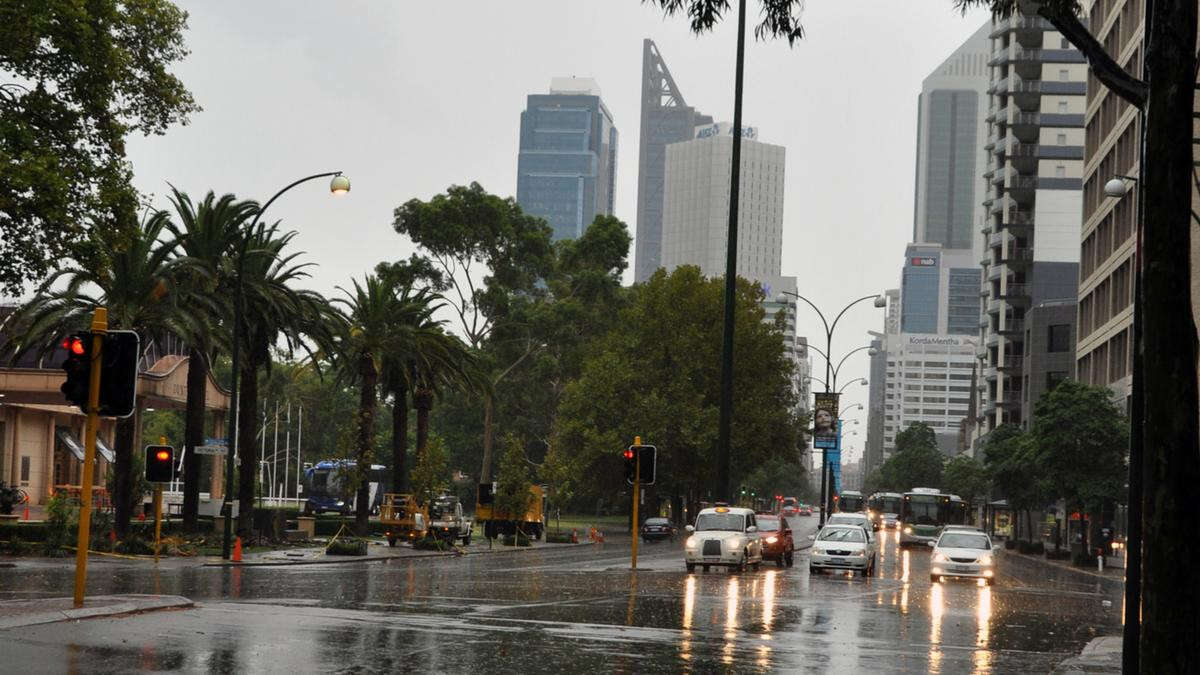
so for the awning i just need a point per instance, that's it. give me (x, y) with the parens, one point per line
(76, 447)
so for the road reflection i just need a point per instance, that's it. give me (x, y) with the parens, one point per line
(937, 609)
(689, 608)
(982, 658)
(731, 622)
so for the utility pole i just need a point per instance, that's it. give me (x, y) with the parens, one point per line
(99, 328)
(637, 494)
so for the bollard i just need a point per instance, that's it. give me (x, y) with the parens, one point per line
(237, 550)
(1100, 563)
(26, 511)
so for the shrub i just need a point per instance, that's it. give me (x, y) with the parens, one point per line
(431, 544)
(519, 539)
(62, 522)
(347, 547)
(1061, 554)
(558, 538)
(134, 545)
(1083, 559)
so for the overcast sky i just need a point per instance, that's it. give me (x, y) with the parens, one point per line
(408, 98)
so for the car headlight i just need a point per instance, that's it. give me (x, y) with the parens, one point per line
(341, 503)
(908, 530)
(691, 542)
(985, 559)
(858, 554)
(772, 540)
(940, 557)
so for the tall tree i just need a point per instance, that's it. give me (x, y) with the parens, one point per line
(206, 233)
(1010, 458)
(82, 77)
(275, 314)
(917, 462)
(139, 289)
(488, 252)
(966, 477)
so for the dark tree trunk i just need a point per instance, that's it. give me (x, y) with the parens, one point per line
(247, 458)
(369, 378)
(1170, 635)
(193, 434)
(123, 498)
(399, 439)
(489, 405)
(423, 403)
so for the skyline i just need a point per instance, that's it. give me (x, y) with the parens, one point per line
(401, 110)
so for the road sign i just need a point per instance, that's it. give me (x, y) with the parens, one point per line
(211, 450)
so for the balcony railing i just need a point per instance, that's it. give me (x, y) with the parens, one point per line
(1013, 326)
(1014, 290)
(1020, 22)
(1017, 254)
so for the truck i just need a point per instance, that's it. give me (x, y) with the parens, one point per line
(403, 517)
(447, 522)
(532, 522)
(328, 486)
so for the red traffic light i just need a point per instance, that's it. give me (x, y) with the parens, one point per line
(73, 345)
(163, 456)
(628, 453)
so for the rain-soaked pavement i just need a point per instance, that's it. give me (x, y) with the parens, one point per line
(568, 609)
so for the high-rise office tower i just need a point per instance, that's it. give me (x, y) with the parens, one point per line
(696, 203)
(939, 291)
(566, 169)
(666, 119)
(951, 128)
(1032, 257)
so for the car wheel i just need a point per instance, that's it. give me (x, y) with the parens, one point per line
(392, 542)
(812, 571)
(691, 567)
(933, 578)
(779, 560)
(789, 559)
(991, 581)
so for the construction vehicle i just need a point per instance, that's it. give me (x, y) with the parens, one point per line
(532, 522)
(447, 521)
(403, 518)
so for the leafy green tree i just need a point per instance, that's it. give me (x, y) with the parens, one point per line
(1170, 429)
(1080, 441)
(780, 475)
(206, 233)
(656, 374)
(140, 290)
(82, 77)
(512, 479)
(430, 474)
(966, 477)
(917, 462)
(559, 473)
(488, 252)
(1010, 460)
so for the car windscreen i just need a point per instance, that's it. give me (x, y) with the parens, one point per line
(964, 540)
(842, 534)
(767, 524)
(734, 522)
(657, 521)
(845, 520)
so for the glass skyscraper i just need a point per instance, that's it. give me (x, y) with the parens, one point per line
(566, 169)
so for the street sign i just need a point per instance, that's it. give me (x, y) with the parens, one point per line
(211, 450)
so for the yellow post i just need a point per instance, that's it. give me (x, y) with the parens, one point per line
(99, 327)
(637, 493)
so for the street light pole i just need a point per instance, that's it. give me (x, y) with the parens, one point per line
(339, 185)
(880, 301)
(726, 419)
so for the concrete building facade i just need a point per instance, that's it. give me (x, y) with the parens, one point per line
(666, 119)
(939, 291)
(1050, 338)
(928, 380)
(1035, 140)
(696, 203)
(567, 163)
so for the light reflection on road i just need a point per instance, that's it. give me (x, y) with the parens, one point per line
(982, 658)
(731, 621)
(689, 607)
(937, 609)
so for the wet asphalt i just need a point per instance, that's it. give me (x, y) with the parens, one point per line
(568, 609)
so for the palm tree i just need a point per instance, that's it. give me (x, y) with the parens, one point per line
(273, 312)
(139, 288)
(206, 233)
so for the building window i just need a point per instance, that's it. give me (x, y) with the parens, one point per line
(1060, 171)
(1053, 377)
(1065, 44)
(1062, 107)
(1064, 75)
(25, 469)
(1061, 139)
(1058, 338)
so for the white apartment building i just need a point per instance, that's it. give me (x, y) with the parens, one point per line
(696, 203)
(928, 380)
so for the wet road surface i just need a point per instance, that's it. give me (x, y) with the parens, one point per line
(569, 609)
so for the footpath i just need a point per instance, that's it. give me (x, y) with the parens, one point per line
(20, 613)
(1101, 655)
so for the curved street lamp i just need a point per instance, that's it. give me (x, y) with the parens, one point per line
(338, 185)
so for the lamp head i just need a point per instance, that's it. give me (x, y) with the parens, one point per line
(1116, 187)
(340, 185)
(880, 301)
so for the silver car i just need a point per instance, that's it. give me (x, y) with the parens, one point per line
(842, 547)
(962, 553)
(859, 519)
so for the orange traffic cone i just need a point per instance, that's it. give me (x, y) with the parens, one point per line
(26, 510)
(237, 549)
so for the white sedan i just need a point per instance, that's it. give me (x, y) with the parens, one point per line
(842, 547)
(961, 553)
(723, 536)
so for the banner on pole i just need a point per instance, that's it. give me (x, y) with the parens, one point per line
(825, 415)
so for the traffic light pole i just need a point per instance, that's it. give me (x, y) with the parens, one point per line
(637, 497)
(99, 327)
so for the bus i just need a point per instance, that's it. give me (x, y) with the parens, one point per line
(884, 508)
(923, 513)
(851, 501)
(328, 486)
